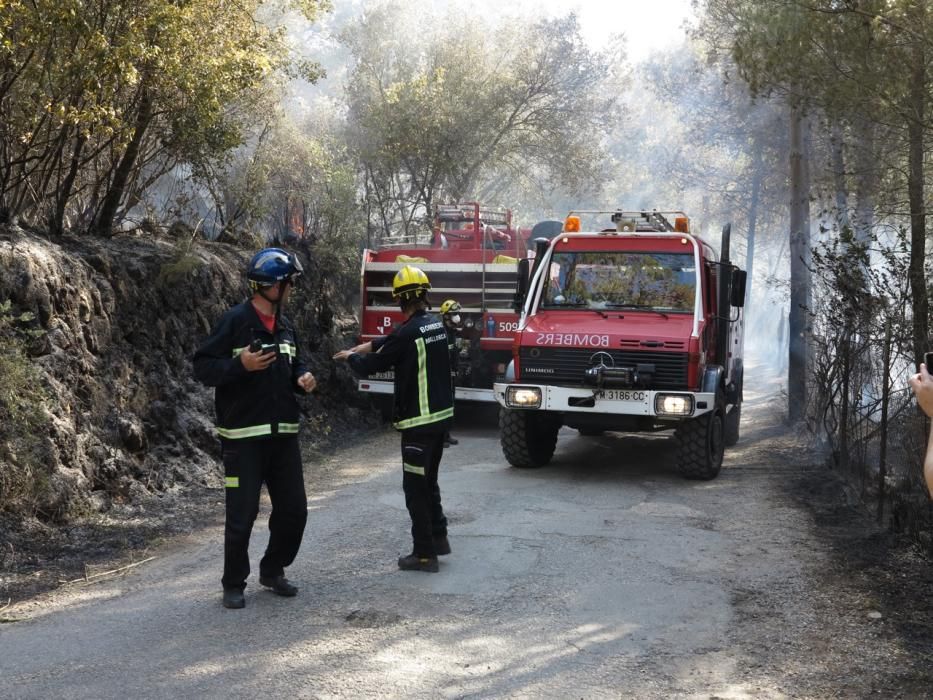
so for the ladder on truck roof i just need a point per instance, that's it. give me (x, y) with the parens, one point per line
(472, 211)
(642, 220)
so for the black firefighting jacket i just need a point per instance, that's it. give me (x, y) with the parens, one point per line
(417, 350)
(251, 405)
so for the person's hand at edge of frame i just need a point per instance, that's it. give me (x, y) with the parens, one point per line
(922, 385)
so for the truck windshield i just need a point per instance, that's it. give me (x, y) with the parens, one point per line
(619, 280)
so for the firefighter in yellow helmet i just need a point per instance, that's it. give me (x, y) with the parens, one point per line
(423, 409)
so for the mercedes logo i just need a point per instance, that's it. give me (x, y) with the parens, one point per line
(602, 359)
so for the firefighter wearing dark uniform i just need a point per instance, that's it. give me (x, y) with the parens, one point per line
(423, 409)
(251, 358)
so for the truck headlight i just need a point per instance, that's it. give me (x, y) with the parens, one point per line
(673, 404)
(523, 397)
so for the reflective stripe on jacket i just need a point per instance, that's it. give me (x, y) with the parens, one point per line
(251, 405)
(417, 350)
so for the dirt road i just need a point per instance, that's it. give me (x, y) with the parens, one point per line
(601, 575)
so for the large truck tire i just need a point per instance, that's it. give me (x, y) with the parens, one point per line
(731, 426)
(528, 438)
(702, 445)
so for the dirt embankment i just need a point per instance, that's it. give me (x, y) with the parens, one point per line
(107, 328)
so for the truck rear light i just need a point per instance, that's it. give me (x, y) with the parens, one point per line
(673, 404)
(523, 397)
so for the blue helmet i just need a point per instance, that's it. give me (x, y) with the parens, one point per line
(270, 266)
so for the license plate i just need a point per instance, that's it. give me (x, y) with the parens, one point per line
(623, 402)
(624, 395)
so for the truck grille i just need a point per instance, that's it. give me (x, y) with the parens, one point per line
(567, 365)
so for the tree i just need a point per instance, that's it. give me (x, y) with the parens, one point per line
(468, 110)
(100, 99)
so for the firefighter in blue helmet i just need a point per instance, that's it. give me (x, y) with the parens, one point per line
(423, 409)
(251, 358)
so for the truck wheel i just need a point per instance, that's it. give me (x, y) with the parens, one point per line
(702, 445)
(528, 439)
(730, 430)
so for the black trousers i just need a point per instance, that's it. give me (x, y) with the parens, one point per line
(421, 458)
(247, 464)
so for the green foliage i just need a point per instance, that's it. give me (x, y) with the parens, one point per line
(171, 274)
(98, 99)
(23, 421)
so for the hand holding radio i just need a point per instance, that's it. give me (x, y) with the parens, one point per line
(256, 358)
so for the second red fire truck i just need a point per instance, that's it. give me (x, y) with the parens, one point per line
(471, 256)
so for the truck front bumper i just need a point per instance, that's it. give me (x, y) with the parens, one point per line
(463, 393)
(622, 402)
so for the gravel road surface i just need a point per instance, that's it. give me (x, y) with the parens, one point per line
(603, 574)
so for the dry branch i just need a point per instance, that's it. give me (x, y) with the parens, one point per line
(96, 578)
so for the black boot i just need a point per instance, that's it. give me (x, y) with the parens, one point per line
(233, 598)
(279, 585)
(415, 563)
(441, 545)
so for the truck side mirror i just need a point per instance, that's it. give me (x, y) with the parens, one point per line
(738, 288)
(521, 288)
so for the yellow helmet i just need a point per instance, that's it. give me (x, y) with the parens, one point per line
(410, 283)
(450, 306)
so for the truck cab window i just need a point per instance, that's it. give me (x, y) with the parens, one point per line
(621, 279)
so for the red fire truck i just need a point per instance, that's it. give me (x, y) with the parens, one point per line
(471, 256)
(633, 327)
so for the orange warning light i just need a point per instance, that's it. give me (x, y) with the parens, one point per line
(572, 224)
(682, 224)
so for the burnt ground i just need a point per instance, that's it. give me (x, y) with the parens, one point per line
(872, 574)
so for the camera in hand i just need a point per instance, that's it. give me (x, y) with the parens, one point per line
(928, 361)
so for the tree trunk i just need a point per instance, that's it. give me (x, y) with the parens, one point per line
(114, 196)
(837, 141)
(799, 266)
(757, 176)
(866, 180)
(64, 194)
(919, 302)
